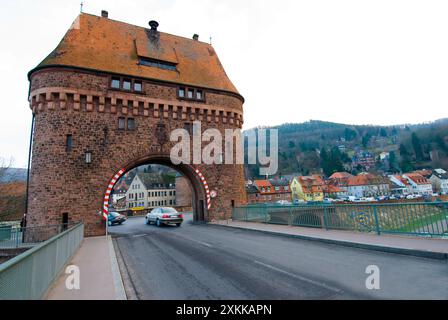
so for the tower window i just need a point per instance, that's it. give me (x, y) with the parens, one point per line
(131, 124)
(121, 123)
(190, 94)
(69, 143)
(115, 83)
(181, 93)
(137, 86)
(127, 84)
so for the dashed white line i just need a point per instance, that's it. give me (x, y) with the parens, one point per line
(139, 235)
(197, 241)
(316, 283)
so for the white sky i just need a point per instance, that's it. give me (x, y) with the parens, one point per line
(359, 62)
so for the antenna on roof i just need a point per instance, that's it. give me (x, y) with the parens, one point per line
(210, 40)
(82, 5)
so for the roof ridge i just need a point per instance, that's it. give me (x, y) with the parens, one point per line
(137, 26)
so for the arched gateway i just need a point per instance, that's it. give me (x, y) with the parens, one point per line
(106, 100)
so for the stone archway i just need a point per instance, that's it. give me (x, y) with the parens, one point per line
(197, 181)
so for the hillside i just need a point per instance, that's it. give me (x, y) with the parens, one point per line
(326, 147)
(12, 175)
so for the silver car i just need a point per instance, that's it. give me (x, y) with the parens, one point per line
(164, 216)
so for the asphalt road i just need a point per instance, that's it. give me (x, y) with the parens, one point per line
(212, 262)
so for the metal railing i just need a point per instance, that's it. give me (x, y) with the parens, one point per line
(422, 219)
(13, 236)
(29, 275)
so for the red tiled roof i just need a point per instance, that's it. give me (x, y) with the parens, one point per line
(426, 173)
(366, 179)
(341, 175)
(417, 178)
(402, 180)
(311, 183)
(262, 183)
(111, 46)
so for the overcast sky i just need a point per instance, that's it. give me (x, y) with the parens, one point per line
(357, 62)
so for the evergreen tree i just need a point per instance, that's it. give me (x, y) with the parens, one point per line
(335, 160)
(404, 151)
(405, 163)
(365, 140)
(324, 161)
(393, 163)
(416, 144)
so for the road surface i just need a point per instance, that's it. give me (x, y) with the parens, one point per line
(212, 262)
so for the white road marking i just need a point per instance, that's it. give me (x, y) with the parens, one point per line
(139, 235)
(316, 283)
(197, 241)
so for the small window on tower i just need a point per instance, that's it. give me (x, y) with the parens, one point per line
(69, 143)
(127, 84)
(182, 93)
(199, 95)
(131, 124)
(190, 93)
(115, 83)
(137, 86)
(121, 123)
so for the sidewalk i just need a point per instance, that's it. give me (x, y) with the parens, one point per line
(99, 274)
(421, 247)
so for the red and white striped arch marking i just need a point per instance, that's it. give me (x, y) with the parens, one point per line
(110, 187)
(120, 173)
(207, 189)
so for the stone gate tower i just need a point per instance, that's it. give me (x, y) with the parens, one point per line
(105, 101)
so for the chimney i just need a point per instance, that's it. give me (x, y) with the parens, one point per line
(104, 14)
(196, 37)
(154, 25)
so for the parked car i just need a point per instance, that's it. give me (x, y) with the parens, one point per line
(283, 202)
(164, 216)
(349, 199)
(298, 201)
(115, 218)
(414, 196)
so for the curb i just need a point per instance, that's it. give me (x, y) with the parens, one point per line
(118, 281)
(409, 252)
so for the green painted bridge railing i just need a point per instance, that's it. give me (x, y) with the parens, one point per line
(422, 219)
(29, 275)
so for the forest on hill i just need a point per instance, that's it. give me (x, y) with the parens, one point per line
(326, 147)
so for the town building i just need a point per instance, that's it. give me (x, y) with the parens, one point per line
(368, 185)
(439, 181)
(145, 192)
(400, 186)
(420, 185)
(384, 155)
(363, 159)
(340, 180)
(253, 195)
(266, 192)
(334, 192)
(307, 188)
(282, 190)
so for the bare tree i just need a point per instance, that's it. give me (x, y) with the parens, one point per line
(5, 165)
